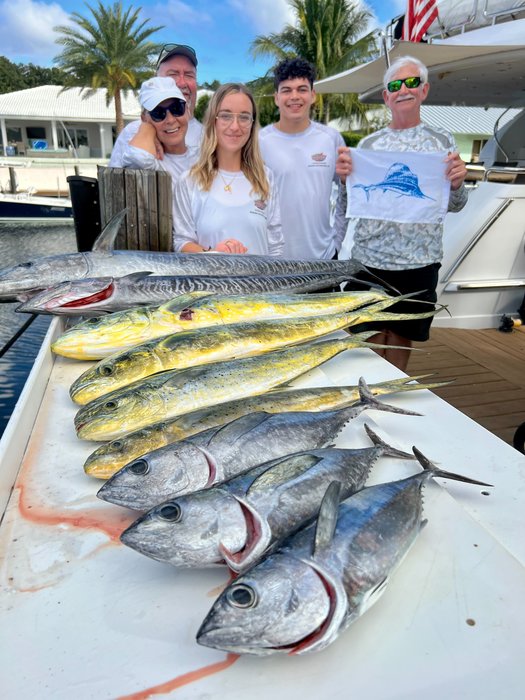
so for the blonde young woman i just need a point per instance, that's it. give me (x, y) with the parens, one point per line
(227, 201)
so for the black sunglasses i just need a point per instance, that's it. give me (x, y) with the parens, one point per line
(395, 85)
(176, 109)
(182, 49)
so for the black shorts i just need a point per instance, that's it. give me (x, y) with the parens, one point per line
(419, 279)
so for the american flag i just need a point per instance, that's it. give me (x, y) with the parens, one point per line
(418, 17)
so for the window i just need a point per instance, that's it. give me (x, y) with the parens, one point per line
(14, 134)
(35, 132)
(477, 145)
(79, 137)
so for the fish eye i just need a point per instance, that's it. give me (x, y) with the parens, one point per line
(140, 467)
(171, 512)
(110, 405)
(25, 265)
(241, 596)
(116, 445)
(93, 319)
(106, 370)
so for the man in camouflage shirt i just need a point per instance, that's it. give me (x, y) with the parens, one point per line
(406, 255)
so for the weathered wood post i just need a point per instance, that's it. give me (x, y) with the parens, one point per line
(147, 196)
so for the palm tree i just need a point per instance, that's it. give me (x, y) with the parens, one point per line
(326, 33)
(108, 50)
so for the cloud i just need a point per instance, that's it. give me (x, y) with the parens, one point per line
(266, 16)
(26, 30)
(173, 13)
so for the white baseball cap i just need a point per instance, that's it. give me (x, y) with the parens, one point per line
(156, 90)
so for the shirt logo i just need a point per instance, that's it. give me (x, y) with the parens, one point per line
(260, 204)
(319, 157)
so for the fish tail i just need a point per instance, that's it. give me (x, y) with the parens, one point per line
(410, 384)
(389, 316)
(388, 450)
(370, 401)
(430, 467)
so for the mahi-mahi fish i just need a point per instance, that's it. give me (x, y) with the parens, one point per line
(112, 456)
(99, 337)
(172, 393)
(205, 345)
(94, 296)
(320, 580)
(218, 454)
(236, 522)
(20, 281)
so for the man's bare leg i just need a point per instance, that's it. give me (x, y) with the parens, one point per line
(396, 356)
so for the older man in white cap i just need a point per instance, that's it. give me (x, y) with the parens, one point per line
(178, 62)
(164, 125)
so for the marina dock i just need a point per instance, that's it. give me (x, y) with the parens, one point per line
(488, 372)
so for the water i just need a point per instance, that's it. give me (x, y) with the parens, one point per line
(20, 242)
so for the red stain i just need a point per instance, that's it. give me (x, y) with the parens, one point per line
(185, 679)
(111, 522)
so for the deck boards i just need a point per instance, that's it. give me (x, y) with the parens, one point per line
(488, 369)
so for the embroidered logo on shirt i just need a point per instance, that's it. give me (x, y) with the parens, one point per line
(319, 157)
(260, 204)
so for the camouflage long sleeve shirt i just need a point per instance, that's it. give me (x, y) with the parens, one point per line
(391, 245)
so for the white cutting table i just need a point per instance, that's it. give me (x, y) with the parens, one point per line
(82, 616)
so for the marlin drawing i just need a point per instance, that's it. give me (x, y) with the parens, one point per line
(399, 179)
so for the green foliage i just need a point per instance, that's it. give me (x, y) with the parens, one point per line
(201, 107)
(22, 76)
(326, 34)
(351, 138)
(210, 86)
(108, 50)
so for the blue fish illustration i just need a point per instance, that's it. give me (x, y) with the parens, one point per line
(399, 179)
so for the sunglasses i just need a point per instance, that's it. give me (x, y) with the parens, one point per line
(176, 109)
(183, 49)
(395, 85)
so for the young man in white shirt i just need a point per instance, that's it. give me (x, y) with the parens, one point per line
(302, 155)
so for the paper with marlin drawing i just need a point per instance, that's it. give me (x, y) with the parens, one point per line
(407, 187)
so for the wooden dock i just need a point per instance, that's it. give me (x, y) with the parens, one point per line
(488, 369)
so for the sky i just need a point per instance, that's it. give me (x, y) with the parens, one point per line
(220, 31)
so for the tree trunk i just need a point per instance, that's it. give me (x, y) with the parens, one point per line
(118, 111)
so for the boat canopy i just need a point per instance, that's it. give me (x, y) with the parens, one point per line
(459, 73)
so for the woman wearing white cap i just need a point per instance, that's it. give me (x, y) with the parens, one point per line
(164, 125)
(227, 202)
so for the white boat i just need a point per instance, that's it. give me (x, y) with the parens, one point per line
(24, 206)
(478, 63)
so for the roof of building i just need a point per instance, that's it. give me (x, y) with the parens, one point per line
(48, 101)
(466, 120)
(80, 104)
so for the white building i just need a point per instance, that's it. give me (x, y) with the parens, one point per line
(50, 121)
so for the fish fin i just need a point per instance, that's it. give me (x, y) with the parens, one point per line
(286, 469)
(388, 450)
(327, 518)
(239, 426)
(429, 466)
(423, 523)
(369, 401)
(183, 301)
(105, 241)
(136, 276)
(376, 592)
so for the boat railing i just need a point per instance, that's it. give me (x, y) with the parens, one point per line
(473, 16)
(512, 12)
(517, 173)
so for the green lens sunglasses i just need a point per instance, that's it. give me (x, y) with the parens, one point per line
(395, 85)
